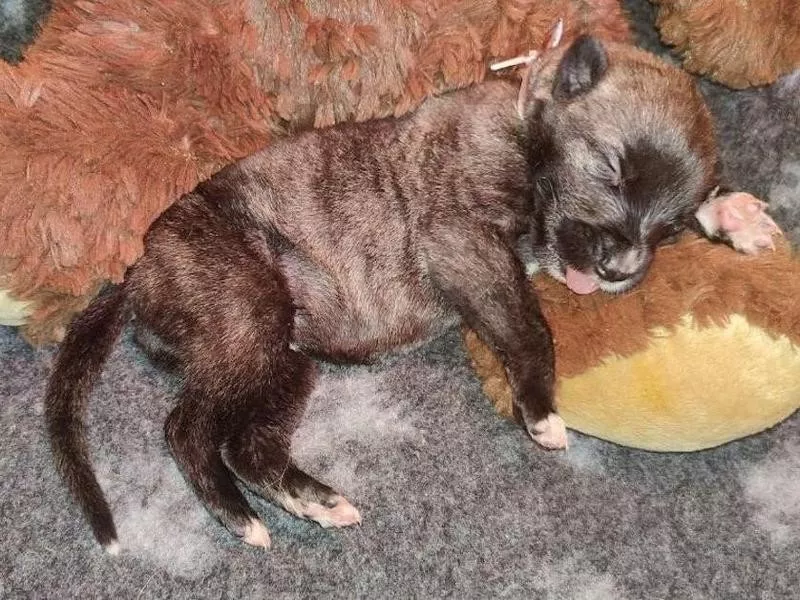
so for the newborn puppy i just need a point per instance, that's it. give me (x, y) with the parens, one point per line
(349, 242)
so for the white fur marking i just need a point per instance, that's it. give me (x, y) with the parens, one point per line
(342, 514)
(556, 274)
(532, 268)
(112, 548)
(550, 432)
(614, 287)
(256, 534)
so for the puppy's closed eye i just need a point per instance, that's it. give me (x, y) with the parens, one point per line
(610, 172)
(615, 163)
(665, 234)
(621, 173)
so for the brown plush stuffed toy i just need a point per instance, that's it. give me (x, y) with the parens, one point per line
(704, 351)
(738, 43)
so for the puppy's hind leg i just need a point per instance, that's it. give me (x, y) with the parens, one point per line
(258, 450)
(193, 436)
(228, 363)
(293, 489)
(245, 393)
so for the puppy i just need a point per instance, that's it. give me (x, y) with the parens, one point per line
(349, 242)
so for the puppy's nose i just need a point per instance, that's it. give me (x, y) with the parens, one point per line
(622, 266)
(610, 274)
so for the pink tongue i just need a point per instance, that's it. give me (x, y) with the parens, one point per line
(581, 283)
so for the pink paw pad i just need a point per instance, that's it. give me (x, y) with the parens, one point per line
(743, 219)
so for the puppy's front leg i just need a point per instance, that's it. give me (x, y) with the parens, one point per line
(740, 220)
(485, 282)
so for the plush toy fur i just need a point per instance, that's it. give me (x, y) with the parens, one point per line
(121, 106)
(740, 43)
(705, 351)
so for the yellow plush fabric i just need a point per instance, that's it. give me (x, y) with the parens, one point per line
(690, 389)
(13, 312)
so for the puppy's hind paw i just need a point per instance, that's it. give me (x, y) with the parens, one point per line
(341, 514)
(550, 432)
(742, 219)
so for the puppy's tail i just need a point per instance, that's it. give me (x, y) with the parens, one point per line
(88, 343)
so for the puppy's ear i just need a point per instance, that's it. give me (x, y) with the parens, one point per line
(583, 65)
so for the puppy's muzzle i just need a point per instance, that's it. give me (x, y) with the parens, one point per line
(622, 270)
(609, 273)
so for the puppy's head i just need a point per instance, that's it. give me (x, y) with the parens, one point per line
(623, 154)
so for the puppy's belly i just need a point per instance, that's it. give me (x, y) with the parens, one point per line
(357, 317)
(354, 335)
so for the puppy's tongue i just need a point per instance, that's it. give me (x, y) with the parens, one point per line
(581, 283)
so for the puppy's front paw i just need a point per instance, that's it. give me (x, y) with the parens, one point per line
(550, 432)
(741, 218)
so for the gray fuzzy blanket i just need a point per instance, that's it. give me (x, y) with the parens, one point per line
(19, 23)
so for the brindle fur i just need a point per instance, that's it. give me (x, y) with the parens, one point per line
(352, 241)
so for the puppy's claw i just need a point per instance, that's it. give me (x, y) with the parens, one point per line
(550, 432)
(257, 535)
(341, 514)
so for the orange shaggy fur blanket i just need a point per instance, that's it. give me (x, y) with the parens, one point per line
(121, 106)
